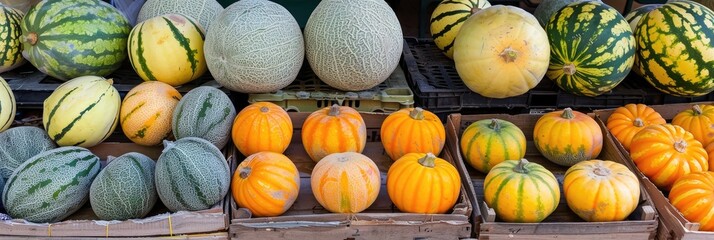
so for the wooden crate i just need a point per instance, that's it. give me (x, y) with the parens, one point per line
(307, 219)
(672, 225)
(563, 223)
(160, 222)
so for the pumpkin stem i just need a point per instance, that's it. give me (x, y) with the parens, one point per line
(697, 110)
(264, 109)
(521, 166)
(568, 113)
(639, 123)
(569, 69)
(680, 146)
(601, 171)
(509, 55)
(417, 113)
(495, 125)
(334, 110)
(244, 172)
(428, 160)
(31, 38)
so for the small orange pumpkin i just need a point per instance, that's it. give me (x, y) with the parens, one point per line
(567, 137)
(333, 129)
(693, 196)
(412, 130)
(627, 120)
(346, 182)
(710, 153)
(266, 183)
(423, 183)
(146, 111)
(699, 121)
(666, 152)
(262, 126)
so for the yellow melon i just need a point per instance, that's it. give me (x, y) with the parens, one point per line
(146, 112)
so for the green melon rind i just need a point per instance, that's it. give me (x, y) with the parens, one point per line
(10, 32)
(19, 144)
(547, 8)
(125, 188)
(204, 112)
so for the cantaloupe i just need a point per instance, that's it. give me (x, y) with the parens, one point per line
(146, 112)
(205, 11)
(204, 112)
(353, 45)
(254, 46)
(19, 144)
(7, 105)
(124, 189)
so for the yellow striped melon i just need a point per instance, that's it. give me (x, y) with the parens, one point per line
(205, 11)
(82, 112)
(7, 106)
(146, 111)
(10, 33)
(447, 18)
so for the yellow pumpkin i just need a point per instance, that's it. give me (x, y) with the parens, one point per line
(423, 183)
(266, 183)
(488, 142)
(333, 129)
(567, 137)
(262, 126)
(699, 121)
(146, 111)
(345, 182)
(412, 130)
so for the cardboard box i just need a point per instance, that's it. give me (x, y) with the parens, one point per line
(307, 219)
(563, 223)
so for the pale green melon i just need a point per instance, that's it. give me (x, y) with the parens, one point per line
(124, 189)
(204, 112)
(19, 144)
(205, 11)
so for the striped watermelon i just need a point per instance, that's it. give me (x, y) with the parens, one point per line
(592, 48)
(51, 185)
(204, 112)
(72, 38)
(633, 18)
(19, 144)
(124, 189)
(7, 105)
(447, 18)
(191, 174)
(10, 32)
(546, 9)
(675, 48)
(82, 112)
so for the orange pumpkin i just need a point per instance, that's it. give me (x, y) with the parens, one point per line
(333, 130)
(146, 111)
(262, 126)
(666, 152)
(693, 196)
(710, 153)
(567, 137)
(627, 120)
(423, 183)
(266, 183)
(345, 182)
(412, 130)
(699, 121)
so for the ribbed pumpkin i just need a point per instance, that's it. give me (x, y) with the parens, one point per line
(345, 182)
(204, 112)
(634, 18)
(333, 130)
(262, 126)
(146, 112)
(693, 196)
(10, 32)
(517, 57)
(521, 191)
(167, 48)
(710, 153)
(666, 152)
(627, 120)
(488, 142)
(567, 137)
(423, 183)
(19, 144)
(204, 11)
(82, 112)
(699, 121)
(7, 105)
(266, 183)
(601, 191)
(447, 18)
(412, 130)
(125, 188)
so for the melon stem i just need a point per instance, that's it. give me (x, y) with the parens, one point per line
(697, 110)
(495, 125)
(428, 160)
(417, 114)
(521, 166)
(475, 10)
(264, 109)
(244, 172)
(110, 81)
(680, 146)
(639, 123)
(334, 110)
(568, 113)
(31, 38)
(601, 171)
(168, 145)
(509, 54)
(569, 69)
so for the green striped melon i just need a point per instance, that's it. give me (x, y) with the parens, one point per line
(204, 112)
(353, 45)
(124, 189)
(205, 11)
(10, 33)
(546, 9)
(82, 112)
(447, 18)
(707, 3)
(19, 144)
(191, 174)
(51, 185)
(73, 38)
(7, 105)
(592, 48)
(238, 57)
(633, 18)
(674, 46)
(21, 5)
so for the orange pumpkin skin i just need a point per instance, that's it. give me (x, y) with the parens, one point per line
(710, 153)
(345, 182)
(567, 137)
(423, 183)
(699, 121)
(627, 120)
(266, 183)
(693, 196)
(666, 152)
(333, 129)
(412, 130)
(262, 126)
(146, 111)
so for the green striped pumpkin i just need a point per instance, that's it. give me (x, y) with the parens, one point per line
(675, 48)
(592, 48)
(124, 189)
(204, 112)
(10, 33)
(191, 174)
(447, 18)
(51, 185)
(486, 143)
(82, 112)
(633, 18)
(72, 38)
(7, 105)
(19, 144)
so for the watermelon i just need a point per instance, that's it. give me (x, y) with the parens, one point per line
(447, 18)
(592, 48)
(204, 112)
(21, 5)
(72, 38)
(7, 105)
(675, 48)
(124, 189)
(205, 11)
(191, 174)
(19, 144)
(707, 3)
(633, 18)
(51, 185)
(547, 8)
(10, 32)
